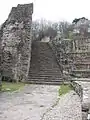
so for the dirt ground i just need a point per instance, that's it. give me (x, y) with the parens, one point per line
(40, 102)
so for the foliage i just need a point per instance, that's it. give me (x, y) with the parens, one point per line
(10, 86)
(43, 28)
(70, 35)
(64, 89)
(50, 32)
(77, 19)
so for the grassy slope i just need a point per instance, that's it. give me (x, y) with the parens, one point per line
(9, 86)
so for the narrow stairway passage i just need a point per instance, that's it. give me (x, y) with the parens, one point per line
(44, 68)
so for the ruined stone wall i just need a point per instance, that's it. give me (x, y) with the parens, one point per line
(81, 44)
(60, 49)
(16, 42)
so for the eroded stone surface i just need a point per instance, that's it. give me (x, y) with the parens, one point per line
(86, 91)
(86, 98)
(39, 102)
(15, 41)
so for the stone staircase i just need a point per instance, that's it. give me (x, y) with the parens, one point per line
(44, 68)
(81, 66)
(81, 72)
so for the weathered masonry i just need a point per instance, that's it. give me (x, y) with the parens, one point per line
(15, 43)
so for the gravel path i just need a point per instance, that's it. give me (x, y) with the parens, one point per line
(39, 102)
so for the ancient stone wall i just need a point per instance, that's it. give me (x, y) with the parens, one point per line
(60, 49)
(15, 38)
(78, 89)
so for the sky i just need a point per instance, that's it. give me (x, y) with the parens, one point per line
(53, 10)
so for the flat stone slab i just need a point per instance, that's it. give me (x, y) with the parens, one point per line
(86, 80)
(40, 102)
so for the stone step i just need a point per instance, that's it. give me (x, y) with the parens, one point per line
(46, 72)
(46, 68)
(81, 70)
(43, 75)
(46, 80)
(81, 79)
(80, 63)
(46, 83)
(49, 78)
(46, 75)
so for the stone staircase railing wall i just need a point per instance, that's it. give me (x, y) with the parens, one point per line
(59, 48)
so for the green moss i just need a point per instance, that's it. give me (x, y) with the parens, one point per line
(9, 86)
(64, 89)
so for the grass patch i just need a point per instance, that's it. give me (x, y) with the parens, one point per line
(10, 86)
(64, 89)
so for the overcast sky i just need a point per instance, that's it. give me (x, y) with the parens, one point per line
(54, 10)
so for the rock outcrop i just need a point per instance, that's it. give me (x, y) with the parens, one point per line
(15, 43)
